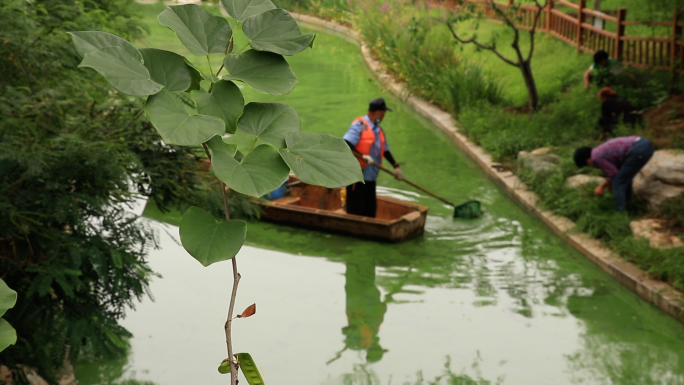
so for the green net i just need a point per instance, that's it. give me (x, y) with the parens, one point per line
(468, 210)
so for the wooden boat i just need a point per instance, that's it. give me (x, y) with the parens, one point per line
(321, 208)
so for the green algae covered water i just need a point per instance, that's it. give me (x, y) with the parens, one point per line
(496, 300)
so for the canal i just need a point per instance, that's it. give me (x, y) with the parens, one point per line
(496, 300)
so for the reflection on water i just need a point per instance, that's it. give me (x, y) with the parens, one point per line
(509, 311)
(496, 300)
(365, 311)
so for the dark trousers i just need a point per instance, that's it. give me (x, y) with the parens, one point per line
(637, 158)
(361, 199)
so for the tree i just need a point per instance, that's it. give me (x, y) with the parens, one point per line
(509, 15)
(73, 154)
(190, 108)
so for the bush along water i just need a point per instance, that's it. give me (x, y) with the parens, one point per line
(190, 108)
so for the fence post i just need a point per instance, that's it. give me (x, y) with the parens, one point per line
(549, 8)
(580, 20)
(619, 33)
(674, 68)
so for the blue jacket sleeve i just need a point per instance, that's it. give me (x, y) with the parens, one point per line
(353, 133)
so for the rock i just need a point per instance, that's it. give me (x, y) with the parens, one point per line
(666, 166)
(581, 180)
(542, 151)
(661, 179)
(650, 230)
(538, 162)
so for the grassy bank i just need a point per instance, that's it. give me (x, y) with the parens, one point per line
(485, 96)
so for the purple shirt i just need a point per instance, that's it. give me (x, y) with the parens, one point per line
(610, 155)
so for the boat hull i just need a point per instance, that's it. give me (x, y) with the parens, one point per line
(321, 208)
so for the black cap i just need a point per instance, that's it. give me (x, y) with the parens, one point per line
(378, 105)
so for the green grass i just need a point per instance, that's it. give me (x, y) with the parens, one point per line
(555, 64)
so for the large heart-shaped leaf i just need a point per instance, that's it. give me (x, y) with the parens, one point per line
(225, 101)
(168, 69)
(8, 336)
(242, 9)
(175, 125)
(200, 32)
(124, 72)
(199, 73)
(90, 41)
(208, 240)
(259, 173)
(270, 122)
(216, 144)
(321, 159)
(276, 31)
(265, 71)
(245, 142)
(8, 298)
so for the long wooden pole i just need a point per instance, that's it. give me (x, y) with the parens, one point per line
(358, 155)
(416, 186)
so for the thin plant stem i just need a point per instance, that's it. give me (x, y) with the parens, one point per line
(209, 62)
(229, 343)
(246, 45)
(233, 294)
(230, 46)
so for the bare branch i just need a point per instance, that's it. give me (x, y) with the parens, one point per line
(516, 31)
(485, 47)
(537, 16)
(503, 14)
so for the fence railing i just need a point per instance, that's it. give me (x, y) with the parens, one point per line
(665, 53)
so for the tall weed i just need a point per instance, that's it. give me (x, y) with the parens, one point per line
(416, 48)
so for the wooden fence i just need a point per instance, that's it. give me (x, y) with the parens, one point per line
(574, 29)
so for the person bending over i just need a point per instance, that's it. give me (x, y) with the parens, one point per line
(366, 137)
(621, 159)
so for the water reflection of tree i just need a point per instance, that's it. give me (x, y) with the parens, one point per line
(363, 374)
(112, 372)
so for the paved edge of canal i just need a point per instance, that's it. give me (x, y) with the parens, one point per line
(654, 291)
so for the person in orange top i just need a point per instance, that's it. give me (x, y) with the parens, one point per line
(365, 136)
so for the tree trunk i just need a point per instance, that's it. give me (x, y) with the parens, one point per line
(532, 94)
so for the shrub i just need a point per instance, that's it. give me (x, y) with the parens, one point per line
(72, 156)
(504, 134)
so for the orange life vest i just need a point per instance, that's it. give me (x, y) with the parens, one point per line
(367, 139)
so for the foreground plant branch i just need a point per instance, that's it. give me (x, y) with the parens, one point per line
(189, 108)
(236, 281)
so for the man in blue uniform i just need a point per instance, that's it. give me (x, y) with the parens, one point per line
(366, 137)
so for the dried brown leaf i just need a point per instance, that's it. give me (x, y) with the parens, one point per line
(250, 311)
